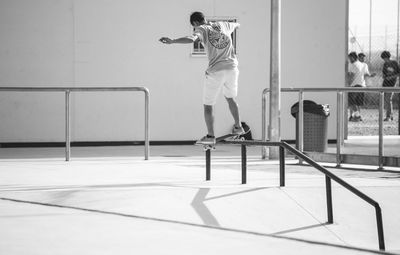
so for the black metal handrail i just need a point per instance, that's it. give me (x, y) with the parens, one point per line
(328, 177)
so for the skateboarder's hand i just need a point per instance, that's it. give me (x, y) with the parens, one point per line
(166, 40)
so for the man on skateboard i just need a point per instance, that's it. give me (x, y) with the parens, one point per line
(222, 72)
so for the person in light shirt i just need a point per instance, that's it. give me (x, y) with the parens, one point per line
(356, 74)
(222, 72)
(361, 58)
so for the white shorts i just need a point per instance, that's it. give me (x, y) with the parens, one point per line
(213, 82)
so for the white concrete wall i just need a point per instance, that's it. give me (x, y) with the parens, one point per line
(36, 49)
(313, 54)
(115, 43)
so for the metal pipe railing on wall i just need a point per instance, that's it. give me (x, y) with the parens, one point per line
(340, 115)
(68, 90)
(339, 126)
(381, 103)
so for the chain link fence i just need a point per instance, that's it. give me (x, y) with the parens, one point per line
(369, 111)
(369, 125)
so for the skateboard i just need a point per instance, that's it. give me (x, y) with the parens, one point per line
(221, 138)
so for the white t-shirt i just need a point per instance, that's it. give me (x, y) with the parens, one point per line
(359, 70)
(366, 68)
(217, 40)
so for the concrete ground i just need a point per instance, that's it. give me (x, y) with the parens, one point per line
(369, 145)
(109, 200)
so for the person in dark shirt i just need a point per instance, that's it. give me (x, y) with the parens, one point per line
(390, 71)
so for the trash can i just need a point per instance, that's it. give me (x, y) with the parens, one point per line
(315, 127)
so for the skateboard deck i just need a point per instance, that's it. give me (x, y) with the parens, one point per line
(219, 139)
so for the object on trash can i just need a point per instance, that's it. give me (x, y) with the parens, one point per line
(315, 125)
(311, 107)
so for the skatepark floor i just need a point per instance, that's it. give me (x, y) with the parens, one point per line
(109, 200)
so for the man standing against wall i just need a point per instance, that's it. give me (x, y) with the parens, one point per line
(222, 72)
(390, 72)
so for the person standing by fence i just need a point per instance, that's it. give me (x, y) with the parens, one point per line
(361, 58)
(390, 71)
(356, 72)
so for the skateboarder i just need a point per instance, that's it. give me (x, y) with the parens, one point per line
(222, 72)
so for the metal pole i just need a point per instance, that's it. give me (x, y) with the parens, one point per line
(208, 165)
(381, 102)
(346, 68)
(67, 126)
(263, 128)
(370, 30)
(281, 166)
(244, 164)
(329, 199)
(301, 124)
(343, 116)
(397, 31)
(397, 56)
(386, 37)
(146, 128)
(275, 76)
(379, 224)
(301, 121)
(339, 128)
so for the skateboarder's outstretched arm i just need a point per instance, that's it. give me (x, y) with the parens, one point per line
(181, 40)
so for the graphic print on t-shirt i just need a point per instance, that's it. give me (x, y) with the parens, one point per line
(218, 39)
(390, 70)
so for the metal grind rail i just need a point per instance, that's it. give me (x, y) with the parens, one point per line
(69, 90)
(328, 177)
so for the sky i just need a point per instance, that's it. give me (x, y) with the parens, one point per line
(384, 13)
(383, 27)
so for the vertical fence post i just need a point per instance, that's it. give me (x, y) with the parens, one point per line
(281, 166)
(264, 125)
(146, 127)
(244, 164)
(339, 128)
(329, 198)
(381, 103)
(344, 119)
(301, 124)
(208, 165)
(67, 126)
